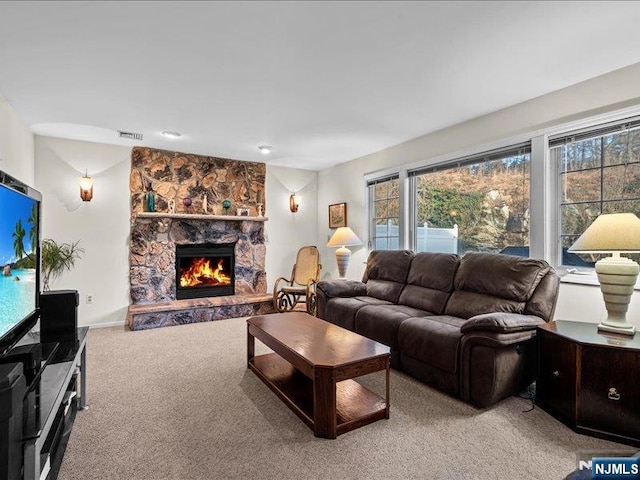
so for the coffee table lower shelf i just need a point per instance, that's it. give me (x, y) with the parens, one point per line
(355, 405)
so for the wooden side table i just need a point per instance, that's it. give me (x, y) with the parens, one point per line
(590, 380)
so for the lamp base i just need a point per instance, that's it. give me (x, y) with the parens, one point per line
(624, 329)
(343, 254)
(617, 277)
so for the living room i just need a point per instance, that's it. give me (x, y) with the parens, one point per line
(49, 147)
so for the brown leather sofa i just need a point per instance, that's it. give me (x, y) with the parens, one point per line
(465, 325)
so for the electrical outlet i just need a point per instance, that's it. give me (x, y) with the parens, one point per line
(89, 298)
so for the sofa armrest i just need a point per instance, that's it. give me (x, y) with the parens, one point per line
(501, 322)
(341, 288)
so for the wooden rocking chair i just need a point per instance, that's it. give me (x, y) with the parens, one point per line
(301, 287)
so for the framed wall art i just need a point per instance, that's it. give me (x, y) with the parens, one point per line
(338, 215)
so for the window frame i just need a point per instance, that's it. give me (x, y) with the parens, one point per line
(593, 130)
(476, 158)
(370, 181)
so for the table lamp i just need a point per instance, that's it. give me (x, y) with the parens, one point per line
(342, 238)
(614, 233)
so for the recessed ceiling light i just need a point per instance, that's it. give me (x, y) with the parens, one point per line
(172, 135)
(265, 149)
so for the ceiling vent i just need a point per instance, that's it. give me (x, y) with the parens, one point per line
(130, 135)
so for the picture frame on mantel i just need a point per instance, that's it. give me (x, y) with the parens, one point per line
(338, 215)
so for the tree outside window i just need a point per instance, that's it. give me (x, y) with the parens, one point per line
(598, 175)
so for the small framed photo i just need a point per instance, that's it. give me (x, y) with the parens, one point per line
(243, 212)
(338, 215)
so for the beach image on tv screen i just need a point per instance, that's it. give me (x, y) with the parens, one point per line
(18, 241)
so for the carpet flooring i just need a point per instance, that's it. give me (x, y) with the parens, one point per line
(179, 403)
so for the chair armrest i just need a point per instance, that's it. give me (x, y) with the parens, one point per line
(341, 288)
(501, 322)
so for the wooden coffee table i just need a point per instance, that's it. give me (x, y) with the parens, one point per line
(312, 368)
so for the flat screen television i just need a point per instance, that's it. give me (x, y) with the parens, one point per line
(19, 260)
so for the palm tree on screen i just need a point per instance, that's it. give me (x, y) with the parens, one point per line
(18, 239)
(33, 232)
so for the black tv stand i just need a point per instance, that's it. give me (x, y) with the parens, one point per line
(50, 407)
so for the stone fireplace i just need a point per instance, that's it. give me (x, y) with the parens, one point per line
(221, 256)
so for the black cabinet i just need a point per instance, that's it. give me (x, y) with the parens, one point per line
(590, 380)
(51, 407)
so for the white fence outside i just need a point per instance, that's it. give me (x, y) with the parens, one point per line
(429, 239)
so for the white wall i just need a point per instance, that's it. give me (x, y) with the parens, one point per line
(585, 303)
(287, 232)
(603, 94)
(103, 228)
(344, 183)
(101, 225)
(16, 145)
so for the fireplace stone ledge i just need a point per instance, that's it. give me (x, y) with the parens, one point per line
(180, 312)
(197, 216)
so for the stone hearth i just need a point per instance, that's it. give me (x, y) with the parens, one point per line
(180, 312)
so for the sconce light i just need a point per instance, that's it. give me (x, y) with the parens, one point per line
(86, 187)
(294, 202)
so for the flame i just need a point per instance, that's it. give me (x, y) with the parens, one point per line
(200, 272)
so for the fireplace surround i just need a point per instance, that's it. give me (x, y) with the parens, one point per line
(155, 238)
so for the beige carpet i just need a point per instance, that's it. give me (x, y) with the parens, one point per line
(179, 403)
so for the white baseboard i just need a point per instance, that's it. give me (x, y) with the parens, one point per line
(104, 325)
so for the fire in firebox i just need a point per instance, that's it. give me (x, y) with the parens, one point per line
(202, 272)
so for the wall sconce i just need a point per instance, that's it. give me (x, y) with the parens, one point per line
(86, 187)
(294, 202)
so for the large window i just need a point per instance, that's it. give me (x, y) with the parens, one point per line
(474, 204)
(599, 172)
(384, 207)
(531, 198)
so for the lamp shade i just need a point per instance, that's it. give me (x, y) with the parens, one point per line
(344, 236)
(612, 232)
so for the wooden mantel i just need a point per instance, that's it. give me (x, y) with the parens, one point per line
(200, 216)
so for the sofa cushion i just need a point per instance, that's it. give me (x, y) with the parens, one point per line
(504, 276)
(430, 281)
(486, 282)
(434, 340)
(342, 311)
(386, 273)
(381, 322)
(543, 301)
(468, 304)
